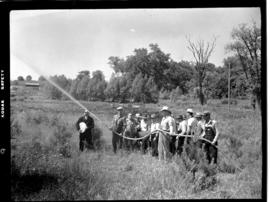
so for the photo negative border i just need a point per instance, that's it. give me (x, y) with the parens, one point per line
(9, 5)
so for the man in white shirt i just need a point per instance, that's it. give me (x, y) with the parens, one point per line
(167, 124)
(181, 130)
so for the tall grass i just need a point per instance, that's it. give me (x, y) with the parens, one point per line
(47, 165)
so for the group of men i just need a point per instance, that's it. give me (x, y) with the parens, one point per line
(169, 134)
(161, 132)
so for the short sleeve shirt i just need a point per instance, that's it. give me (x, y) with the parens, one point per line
(143, 125)
(154, 126)
(191, 124)
(182, 126)
(167, 122)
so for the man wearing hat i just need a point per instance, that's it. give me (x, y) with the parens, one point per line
(84, 125)
(181, 130)
(167, 124)
(211, 133)
(118, 126)
(130, 131)
(198, 129)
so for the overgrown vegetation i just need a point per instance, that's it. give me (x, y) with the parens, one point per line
(46, 163)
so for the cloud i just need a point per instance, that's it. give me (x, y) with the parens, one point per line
(132, 30)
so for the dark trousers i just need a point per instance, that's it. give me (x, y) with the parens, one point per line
(180, 145)
(211, 152)
(154, 145)
(86, 140)
(145, 144)
(116, 140)
(172, 145)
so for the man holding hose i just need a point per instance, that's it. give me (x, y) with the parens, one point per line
(118, 127)
(168, 125)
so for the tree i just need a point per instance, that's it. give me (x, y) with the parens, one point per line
(247, 47)
(96, 86)
(83, 73)
(52, 91)
(112, 90)
(29, 78)
(20, 78)
(81, 91)
(41, 79)
(201, 53)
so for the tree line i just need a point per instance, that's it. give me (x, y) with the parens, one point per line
(145, 76)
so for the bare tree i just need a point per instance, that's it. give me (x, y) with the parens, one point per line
(201, 51)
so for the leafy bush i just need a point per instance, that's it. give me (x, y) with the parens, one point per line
(98, 141)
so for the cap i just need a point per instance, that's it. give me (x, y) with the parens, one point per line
(198, 115)
(119, 108)
(165, 108)
(190, 111)
(206, 113)
(137, 115)
(86, 111)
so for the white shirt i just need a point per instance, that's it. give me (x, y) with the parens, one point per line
(191, 124)
(143, 125)
(168, 124)
(154, 126)
(182, 126)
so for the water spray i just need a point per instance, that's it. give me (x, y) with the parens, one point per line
(38, 71)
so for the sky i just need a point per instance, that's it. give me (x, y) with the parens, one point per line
(55, 42)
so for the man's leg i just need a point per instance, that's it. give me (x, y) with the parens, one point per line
(180, 145)
(120, 140)
(114, 142)
(81, 141)
(172, 144)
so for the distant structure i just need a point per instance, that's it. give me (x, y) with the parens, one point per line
(32, 85)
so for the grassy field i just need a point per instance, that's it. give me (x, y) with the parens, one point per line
(46, 163)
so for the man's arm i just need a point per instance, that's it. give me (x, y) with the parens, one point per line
(171, 126)
(216, 132)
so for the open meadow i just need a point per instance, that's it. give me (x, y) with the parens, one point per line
(47, 165)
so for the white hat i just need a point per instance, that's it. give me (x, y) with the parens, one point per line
(165, 108)
(190, 110)
(137, 115)
(119, 108)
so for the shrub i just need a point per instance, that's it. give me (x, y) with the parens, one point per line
(15, 127)
(98, 141)
(61, 139)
